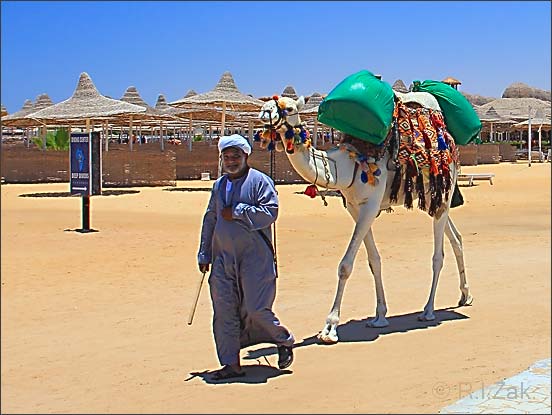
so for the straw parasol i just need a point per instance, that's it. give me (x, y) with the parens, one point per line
(311, 107)
(163, 106)
(16, 118)
(42, 101)
(85, 103)
(399, 85)
(536, 122)
(451, 81)
(289, 91)
(132, 96)
(190, 93)
(224, 93)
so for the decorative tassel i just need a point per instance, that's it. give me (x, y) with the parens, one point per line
(396, 185)
(311, 191)
(420, 190)
(409, 184)
(441, 145)
(271, 146)
(289, 134)
(289, 147)
(364, 177)
(371, 179)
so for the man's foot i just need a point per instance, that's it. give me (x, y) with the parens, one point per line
(226, 373)
(285, 356)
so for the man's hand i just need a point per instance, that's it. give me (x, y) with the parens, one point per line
(227, 213)
(204, 267)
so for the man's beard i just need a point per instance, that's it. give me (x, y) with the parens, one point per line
(236, 169)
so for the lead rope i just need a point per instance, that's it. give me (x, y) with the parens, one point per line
(272, 173)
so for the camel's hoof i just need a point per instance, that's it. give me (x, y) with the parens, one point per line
(426, 317)
(465, 300)
(327, 338)
(377, 323)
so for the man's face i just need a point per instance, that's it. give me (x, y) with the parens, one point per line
(234, 160)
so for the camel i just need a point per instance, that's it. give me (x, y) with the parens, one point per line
(334, 169)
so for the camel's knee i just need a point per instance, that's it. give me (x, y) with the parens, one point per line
(344, 270)
(438, 258)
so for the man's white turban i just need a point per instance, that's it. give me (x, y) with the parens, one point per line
(234, 140)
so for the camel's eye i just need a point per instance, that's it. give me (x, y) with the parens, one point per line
(289, 109)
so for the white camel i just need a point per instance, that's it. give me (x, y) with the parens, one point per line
(334, 169)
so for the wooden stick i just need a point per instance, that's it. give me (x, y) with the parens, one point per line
(194, 305)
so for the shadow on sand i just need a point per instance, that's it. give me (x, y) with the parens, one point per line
(188, 189)
(358, 331)
(253, 374)
(67, 194)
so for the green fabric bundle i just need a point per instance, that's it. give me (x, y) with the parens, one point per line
(461, 119)
(361, 105)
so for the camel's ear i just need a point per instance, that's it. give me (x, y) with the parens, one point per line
(300, 103)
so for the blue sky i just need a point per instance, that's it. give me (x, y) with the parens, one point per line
(171, 47)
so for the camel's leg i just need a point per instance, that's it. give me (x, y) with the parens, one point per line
(438, 257)
(456, 241)
(374, 260)
(366, 215)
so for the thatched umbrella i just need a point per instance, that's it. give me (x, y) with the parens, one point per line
(452, 82)
(86, 103)
(289, 91)
(399, 85)
(223, 94)
(163, 106)
(14, 119)
(310, 110)
(150, 116)
(190, 93)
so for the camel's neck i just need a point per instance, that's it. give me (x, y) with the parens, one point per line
(332, 169)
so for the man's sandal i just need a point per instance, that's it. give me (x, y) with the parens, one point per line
(226, 373)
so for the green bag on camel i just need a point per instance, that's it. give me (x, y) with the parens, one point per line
(361, 105)
(461, 119)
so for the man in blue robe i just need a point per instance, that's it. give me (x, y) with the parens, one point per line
(237, 241)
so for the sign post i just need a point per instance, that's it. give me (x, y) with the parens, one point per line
(86, 171)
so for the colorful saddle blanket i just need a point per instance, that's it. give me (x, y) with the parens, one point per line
(425, 151)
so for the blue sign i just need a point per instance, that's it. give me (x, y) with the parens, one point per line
(80, 163)
(86, 163)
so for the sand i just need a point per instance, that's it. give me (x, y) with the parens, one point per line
(97, 323)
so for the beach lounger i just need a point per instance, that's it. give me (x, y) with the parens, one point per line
(470, 177)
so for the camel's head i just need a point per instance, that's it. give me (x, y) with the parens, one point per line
(280, 116)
